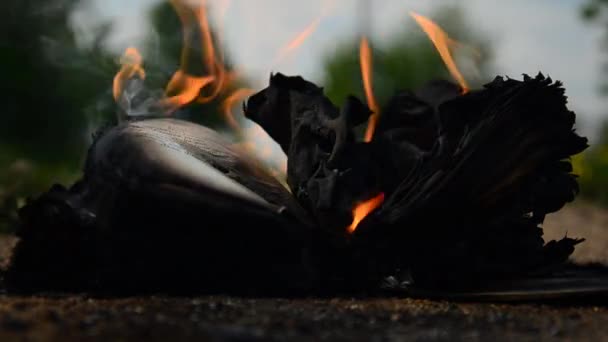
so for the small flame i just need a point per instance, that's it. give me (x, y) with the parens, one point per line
(186, 88)
(131, 64)
(362, 209)
(442, 43)
(229, 102)
(299, 39)
(365, 60)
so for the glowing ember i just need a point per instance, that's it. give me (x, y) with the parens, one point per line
(442, 43)
(363, 209)
(365, 60)
(131, 64)
(229, 102)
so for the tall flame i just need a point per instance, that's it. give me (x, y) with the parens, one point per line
(362, 209)
(365, 60)
(184, 87)
(131, 64)
(442, 43)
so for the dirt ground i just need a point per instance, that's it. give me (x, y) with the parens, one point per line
(224, 318)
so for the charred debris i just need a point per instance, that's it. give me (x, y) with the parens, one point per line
(165, 205)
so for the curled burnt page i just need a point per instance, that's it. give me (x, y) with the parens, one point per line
(328, 171)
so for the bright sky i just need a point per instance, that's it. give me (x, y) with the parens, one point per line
(530, 36)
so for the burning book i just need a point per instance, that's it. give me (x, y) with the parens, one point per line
(445, 194)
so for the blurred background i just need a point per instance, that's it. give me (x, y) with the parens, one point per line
(58, 59)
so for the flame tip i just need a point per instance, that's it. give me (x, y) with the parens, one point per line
(365, 60)
(442, 43)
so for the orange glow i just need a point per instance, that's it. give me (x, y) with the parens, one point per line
(363, 209)
(229, 102)
(442, 43)
(185, 87)
(131, 64)
(365, 60)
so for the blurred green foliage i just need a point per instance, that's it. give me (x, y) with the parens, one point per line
(592, 164)
(592, 168)
(47, 82)
(57, 92)
(49, 91)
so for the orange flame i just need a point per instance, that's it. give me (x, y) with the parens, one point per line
(186, 88)
(442, 43)
(189, 87)
(365, 60)
(131, 64)
(362, 209)
(229, 102)
(299, 39)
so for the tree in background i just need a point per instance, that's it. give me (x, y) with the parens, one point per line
(48, 83)
(56, 93)
(596, 12)
(407, 61)
(592, 165)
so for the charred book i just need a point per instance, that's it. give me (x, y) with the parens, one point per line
(445, 194)
(450, 193)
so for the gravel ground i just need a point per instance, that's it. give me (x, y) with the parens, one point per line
(224, 318)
